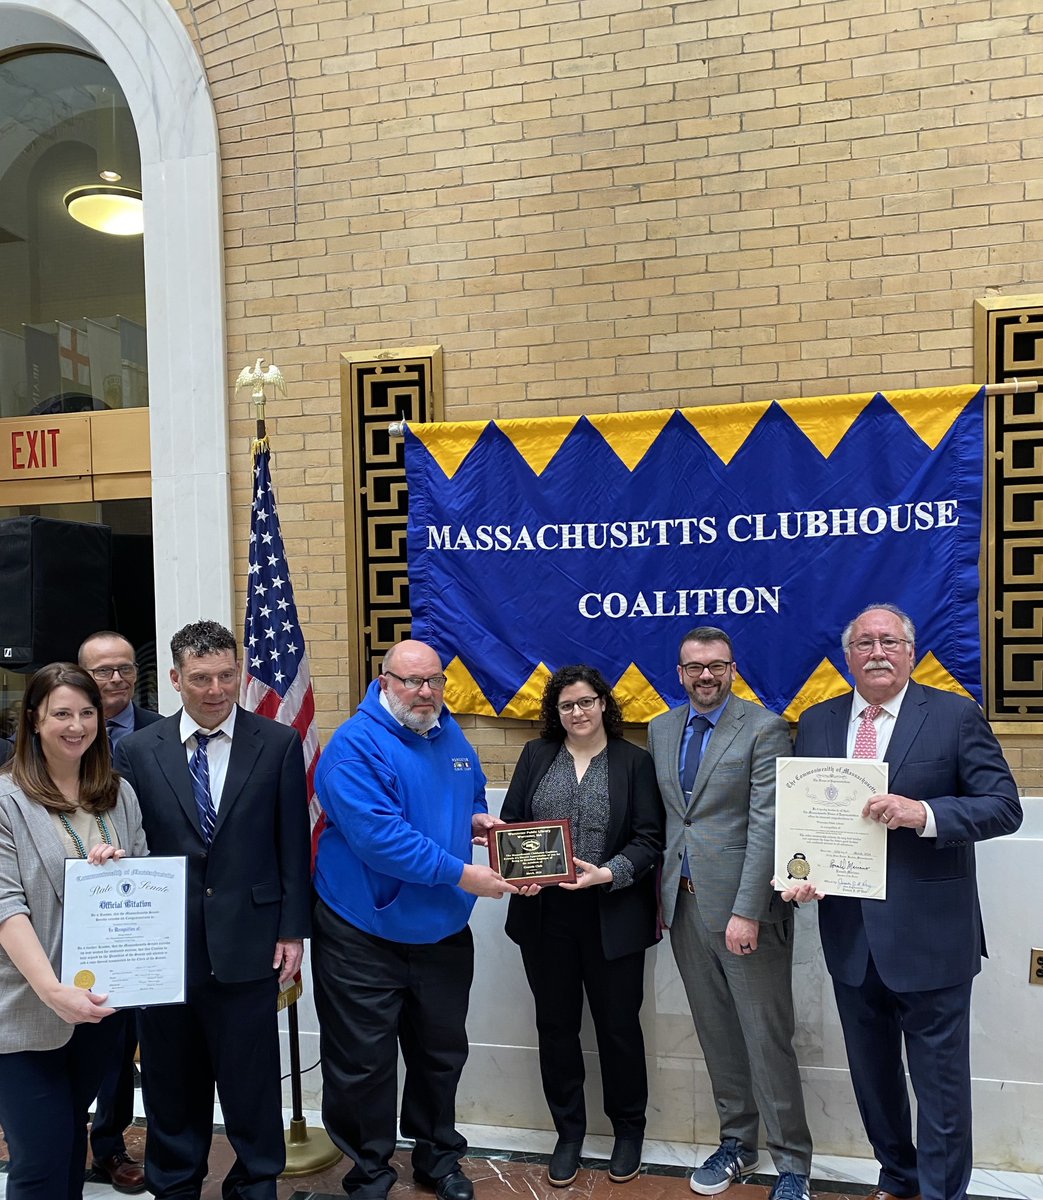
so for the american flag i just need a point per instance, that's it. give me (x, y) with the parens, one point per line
(276, 680)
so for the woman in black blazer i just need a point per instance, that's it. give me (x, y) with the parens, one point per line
(591, 935)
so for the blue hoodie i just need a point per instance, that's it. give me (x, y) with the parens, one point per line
(399, 810)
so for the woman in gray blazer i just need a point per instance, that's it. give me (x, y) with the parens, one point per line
(591, 936)
(59, 799)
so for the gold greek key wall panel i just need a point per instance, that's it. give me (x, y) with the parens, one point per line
(378, 387)
(1008, 346)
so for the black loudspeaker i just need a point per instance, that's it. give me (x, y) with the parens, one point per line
(55, 589)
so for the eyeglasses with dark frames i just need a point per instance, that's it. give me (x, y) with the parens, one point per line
(104, 674)
(415, 682)
(694, 669)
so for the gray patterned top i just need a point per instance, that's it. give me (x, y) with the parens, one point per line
(585, 803)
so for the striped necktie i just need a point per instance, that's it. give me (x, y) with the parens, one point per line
(199, 766)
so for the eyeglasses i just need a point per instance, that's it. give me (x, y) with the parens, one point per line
(584, 702)
(887, 644)
(104, 674)
(717, 669)
(416, 682)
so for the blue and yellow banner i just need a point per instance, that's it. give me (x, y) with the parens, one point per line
(604, 539)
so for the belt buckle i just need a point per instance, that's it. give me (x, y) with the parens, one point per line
(686, 885)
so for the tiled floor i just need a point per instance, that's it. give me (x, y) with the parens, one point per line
(511, 1165)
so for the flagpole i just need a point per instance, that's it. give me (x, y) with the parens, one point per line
(308, 1150)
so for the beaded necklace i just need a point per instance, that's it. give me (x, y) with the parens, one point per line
(77, 841)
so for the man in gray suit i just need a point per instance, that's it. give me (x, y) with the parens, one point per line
(732, 936)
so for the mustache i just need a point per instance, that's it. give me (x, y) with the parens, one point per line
(879, 664)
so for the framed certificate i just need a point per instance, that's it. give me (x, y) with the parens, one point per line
(533, 852)
(820, 833)
(123, 929)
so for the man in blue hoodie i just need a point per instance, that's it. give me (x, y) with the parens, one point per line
(392, 954)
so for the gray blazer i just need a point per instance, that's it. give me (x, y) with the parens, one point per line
(32, 881)
(728, 827)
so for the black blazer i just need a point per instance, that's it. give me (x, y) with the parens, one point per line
(635, 829)
(253, 886)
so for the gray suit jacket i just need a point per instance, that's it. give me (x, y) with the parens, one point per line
(728, 826)
(32, 881)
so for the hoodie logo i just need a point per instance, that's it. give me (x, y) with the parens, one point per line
(461, 764)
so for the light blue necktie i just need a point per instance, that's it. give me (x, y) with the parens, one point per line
(199, 766)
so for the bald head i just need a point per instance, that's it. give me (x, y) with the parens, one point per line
(413, 651)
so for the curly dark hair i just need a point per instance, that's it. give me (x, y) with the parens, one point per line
(99, 784)
(561, 679)
(202, 638)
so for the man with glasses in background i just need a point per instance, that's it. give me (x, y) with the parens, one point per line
(403, 793)
(902, 967)
(110, 658)
(731, 934)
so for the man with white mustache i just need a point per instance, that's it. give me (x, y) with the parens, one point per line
(902, 967)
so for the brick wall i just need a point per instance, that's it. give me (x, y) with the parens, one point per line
(600, 205)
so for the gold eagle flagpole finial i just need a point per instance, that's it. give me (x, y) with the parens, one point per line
(257, 378)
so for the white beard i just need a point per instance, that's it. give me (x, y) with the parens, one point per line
(410, 719)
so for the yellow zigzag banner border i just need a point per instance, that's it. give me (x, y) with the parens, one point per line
(824, 420)
(641, 702)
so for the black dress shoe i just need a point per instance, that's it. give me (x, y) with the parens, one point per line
(564, 1163)
(626, 1159)
(454, 1186)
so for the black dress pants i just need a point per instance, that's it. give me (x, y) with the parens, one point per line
(44, 1098)
(225, 1036)
(566, 960)
(114, 1108)
(372, 996)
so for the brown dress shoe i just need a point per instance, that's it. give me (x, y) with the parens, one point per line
(125, 1175)
(880, 1194)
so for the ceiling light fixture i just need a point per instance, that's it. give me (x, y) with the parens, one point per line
(107, 209)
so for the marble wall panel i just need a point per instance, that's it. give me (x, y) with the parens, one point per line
(501, 1082)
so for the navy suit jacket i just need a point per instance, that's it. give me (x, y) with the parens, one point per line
(143, 717)
(927, 933)
(253, 885)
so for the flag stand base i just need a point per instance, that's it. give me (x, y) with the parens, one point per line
(308, 1150)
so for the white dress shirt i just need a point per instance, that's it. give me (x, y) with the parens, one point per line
(218, 750)
(884, 724)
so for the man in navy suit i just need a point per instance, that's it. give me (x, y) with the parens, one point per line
(226, 788)
(902, 967)
(110, 658)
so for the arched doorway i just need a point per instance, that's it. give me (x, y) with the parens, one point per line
(151, 56)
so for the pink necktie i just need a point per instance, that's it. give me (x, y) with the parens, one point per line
(865, 736)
